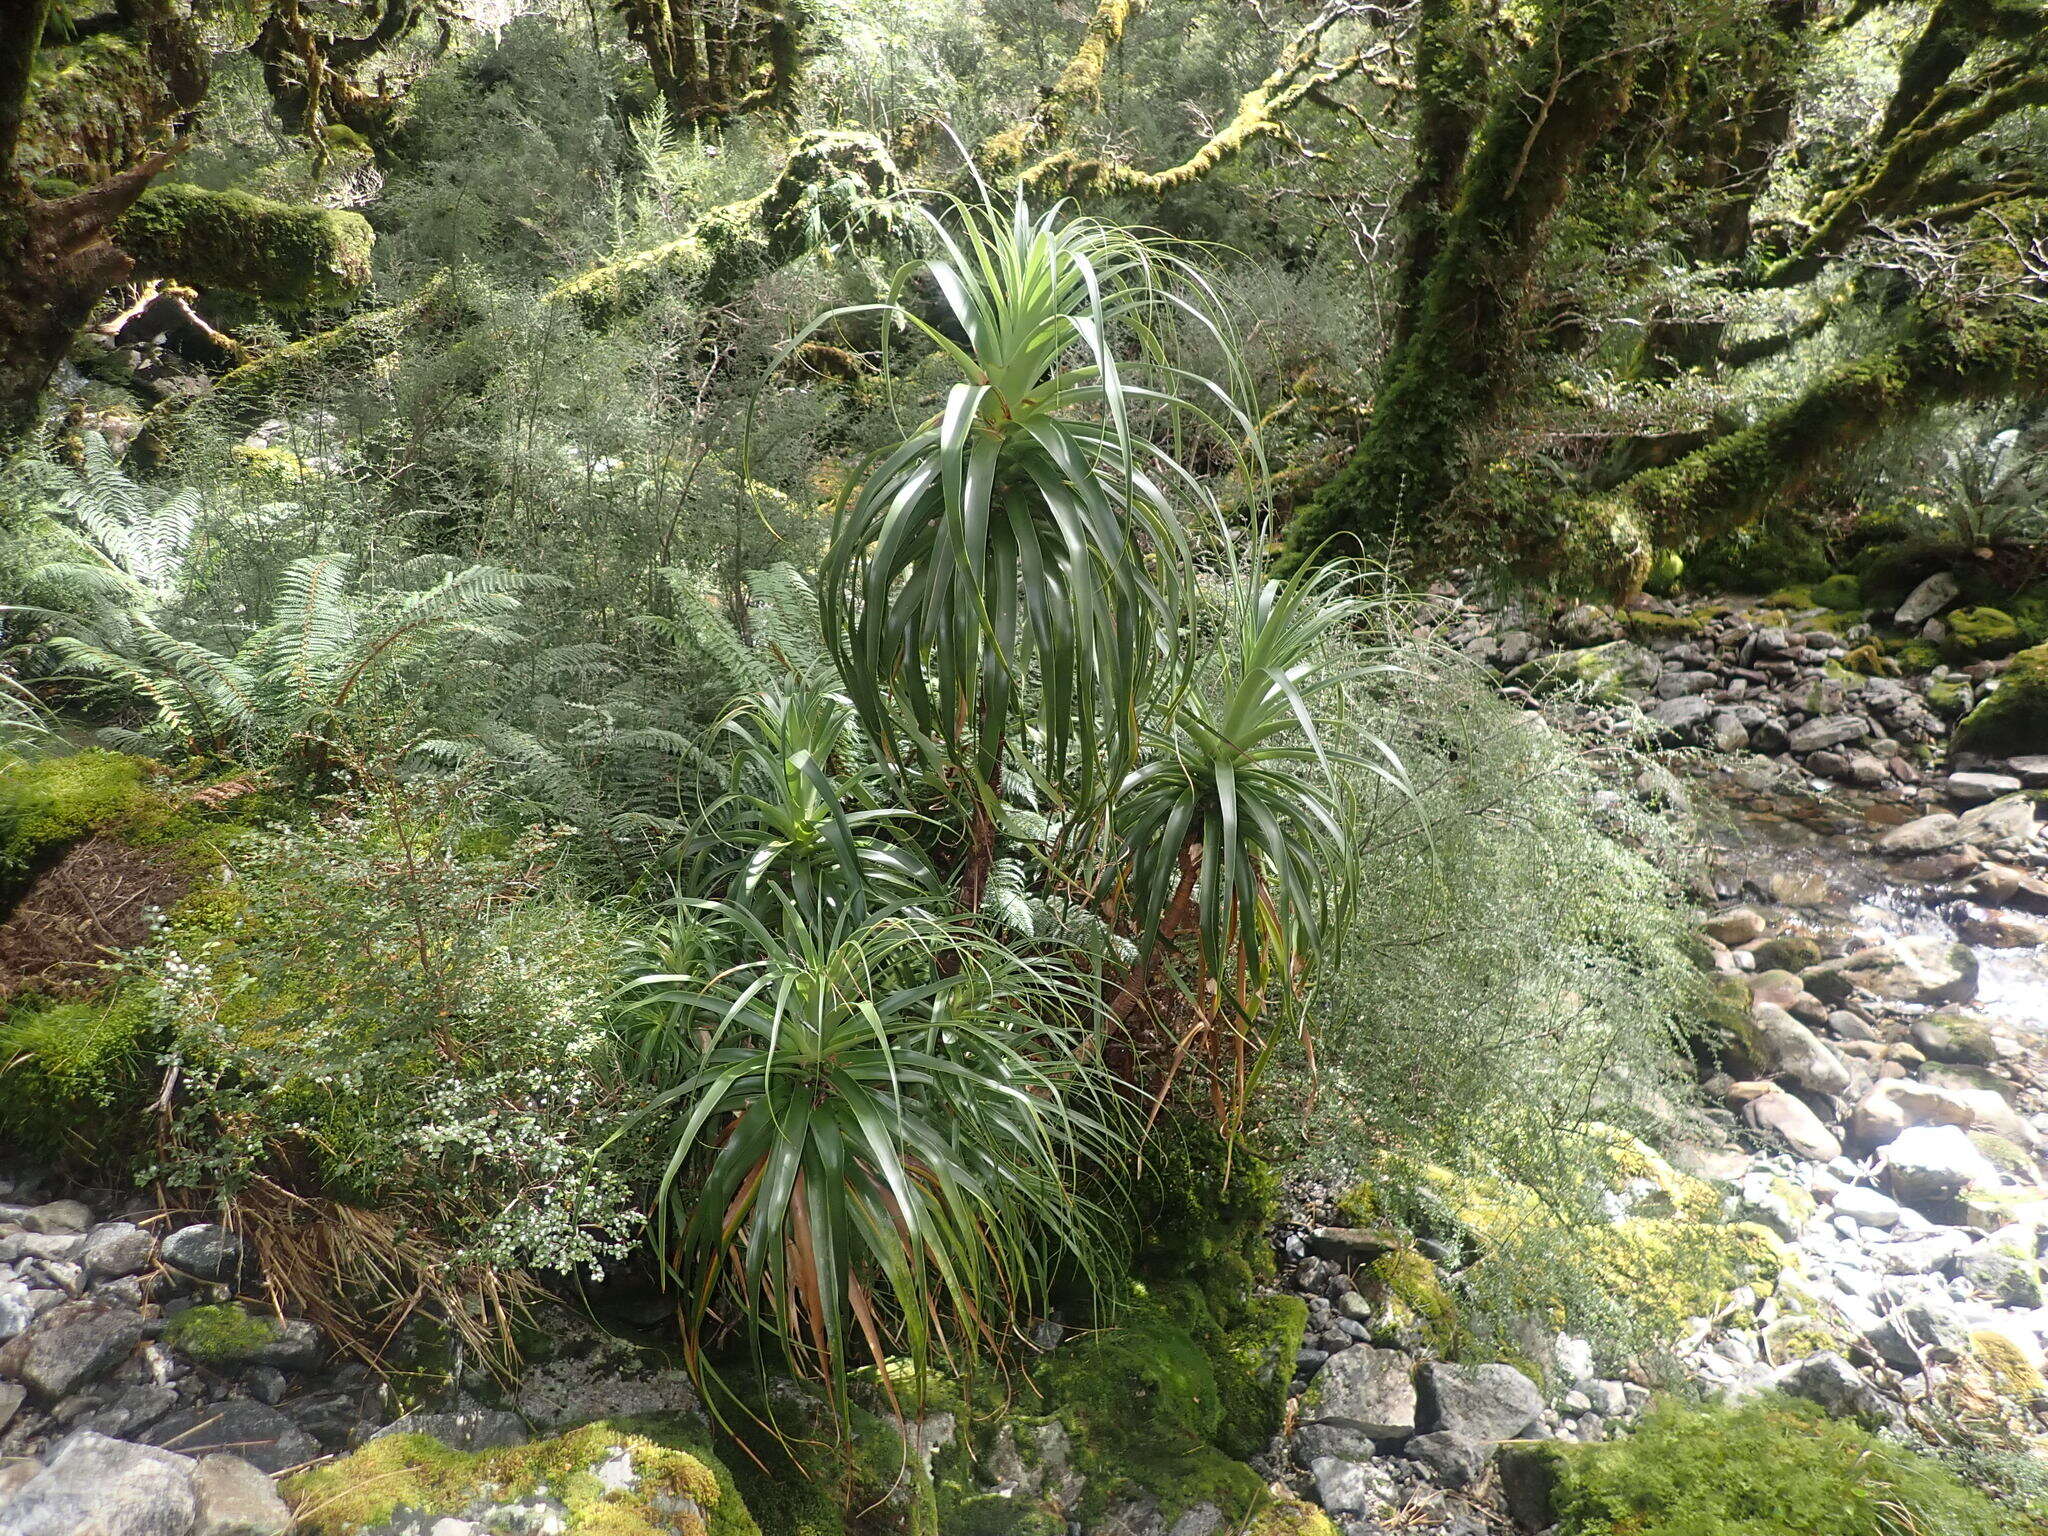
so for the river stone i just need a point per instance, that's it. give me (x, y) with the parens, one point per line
(1617, 670)
(1369, 1390)
(1832, 1382)
(1955, 1037)
(67, 1217)
(1453, 1461)
(253, 1431)
(2032, 770)
(1924, 969)
(1975, 788)
(1927, 599)
(1738, 925)
(2007, 819)
(1925, 834)
(205, 1252)
(1995, 928)
(1678, 718)
(74, 1343)
(1787, 1048)
(236, 1499)
(2001, 1271)
(1767, 1107)
(1867, 1207)
(1896, 1104)
(1931, 1165)
(1481, 1402)
(1828, 731)
(119, 1248)
(95, 1486)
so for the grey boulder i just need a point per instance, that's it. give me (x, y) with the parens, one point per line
(1368, 1390)
(95, 1486)
(1486, 1403)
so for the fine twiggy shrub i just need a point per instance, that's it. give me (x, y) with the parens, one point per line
(398, 1011)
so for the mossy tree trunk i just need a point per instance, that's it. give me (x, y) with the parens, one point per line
(1546, 113)
(56, 256)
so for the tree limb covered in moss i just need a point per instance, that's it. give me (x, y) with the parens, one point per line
(1936, 109)
(1301, 76)
(835, 187)
(1078, 88)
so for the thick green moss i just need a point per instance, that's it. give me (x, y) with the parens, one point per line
(1201, 1206)
(1410, 1282)
(2014, 719)
(1769, 1468)
(296, 257)
(676, 1474)
(1147, 1412)
(1645, 624)
(1778, 550)
(46, 803)
(219, 1335)
(1841, 592)
(66, 1067)
(1980, 634)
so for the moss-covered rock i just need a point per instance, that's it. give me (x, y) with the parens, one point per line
(1842, 592)
(1980, 634)
(221, 1335)
(1648, 624)
(1769, 1466)
(1201, 1205)
(1667, 570)
(1618, 670)
(1777, 550)
(1408, 1285)
(1149, 1411)
(284, 254)
(2013, 720)
(634, 1478)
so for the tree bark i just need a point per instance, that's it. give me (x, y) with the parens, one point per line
(1442, 377)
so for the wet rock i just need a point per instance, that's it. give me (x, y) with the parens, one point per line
(1481, 1402)
(2009, 819)
(1368, 1390)
(1926, 834)
(1995, 928)
(106, 1488)
(1924, 969)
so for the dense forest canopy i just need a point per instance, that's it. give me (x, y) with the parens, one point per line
(958, 753)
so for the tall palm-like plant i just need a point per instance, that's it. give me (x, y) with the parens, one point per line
(1024, 545)
(879, 1134)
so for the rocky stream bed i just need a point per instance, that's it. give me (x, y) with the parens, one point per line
(1876, 916)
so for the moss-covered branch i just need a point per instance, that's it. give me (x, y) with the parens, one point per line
(1301, 77)
(835, 186)
(1078, 88)
(1933, 113)
(285, 255)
